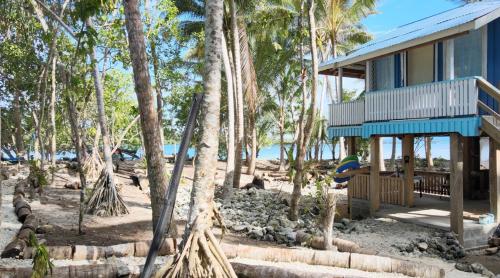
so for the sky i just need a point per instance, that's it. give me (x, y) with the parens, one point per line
(394, 13)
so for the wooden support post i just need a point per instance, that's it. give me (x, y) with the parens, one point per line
(408, 168)
(374, 174)
(351, 145)
(471, 164)
(456, 186)
(495, 179)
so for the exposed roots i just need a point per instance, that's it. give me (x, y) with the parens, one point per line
(92, 166)
(200, 257)
(105, 200)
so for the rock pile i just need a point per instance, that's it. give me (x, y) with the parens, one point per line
(444, 245)
(262, 215)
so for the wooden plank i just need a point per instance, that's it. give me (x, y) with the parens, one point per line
(374, 174)
(488, 88)
(408, 168)
(494, 176)
(456, 186)
(488, 126)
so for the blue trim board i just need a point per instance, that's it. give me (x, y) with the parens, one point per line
(339, 131)
(466, 126)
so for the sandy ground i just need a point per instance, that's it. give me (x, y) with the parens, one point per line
(58, 207)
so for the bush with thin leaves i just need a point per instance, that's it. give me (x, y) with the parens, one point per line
(41, 258)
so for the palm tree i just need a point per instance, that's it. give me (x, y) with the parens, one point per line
(340, 30)
(149, 117)
(196, 259)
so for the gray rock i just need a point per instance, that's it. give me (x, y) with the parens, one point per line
(240, 228)
(465, 267)
(256, 233)
(345, 221)
(409, 248)
(339, 226)
(440, 247)
(422, 246)
(477, 268)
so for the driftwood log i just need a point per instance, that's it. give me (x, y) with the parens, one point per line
(15, 249)
(22, 209)
(71, 271)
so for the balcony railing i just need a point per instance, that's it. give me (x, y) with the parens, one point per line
(451, 98)
(347, 113)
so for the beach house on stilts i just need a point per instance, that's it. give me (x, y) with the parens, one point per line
(439, 76)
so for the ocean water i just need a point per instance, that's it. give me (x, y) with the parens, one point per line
(440, 149)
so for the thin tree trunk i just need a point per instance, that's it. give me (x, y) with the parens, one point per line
(229, 178)
(202, 255)
(239, 125)
(159, 100)
(17, 124)
(382, 160)
(149, 117)
(73, 120)
(99, 91)
(52, 108)
(249, 79)
(428, 152)
(282, 137)
(307, 129)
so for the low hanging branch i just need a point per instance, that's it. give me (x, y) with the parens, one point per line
(105, 200)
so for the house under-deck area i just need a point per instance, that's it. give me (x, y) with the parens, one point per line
(434, 77)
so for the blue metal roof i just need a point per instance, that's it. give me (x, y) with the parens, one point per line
(445, 24)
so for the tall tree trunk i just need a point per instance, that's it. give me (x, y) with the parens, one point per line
(393, 155)
(17, 124)
(52, 108)
(159, 100)
(239, 125)
(201, 255)
(428, 152)
(99, 92)
(282, 136)
(229, 178)
(73, 120)
(249, 78)
(307, 129)
(149, 117)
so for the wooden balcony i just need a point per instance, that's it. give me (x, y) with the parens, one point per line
(443, 99)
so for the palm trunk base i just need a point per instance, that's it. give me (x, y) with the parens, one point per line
(201, 257)
(92, 166)
(105, 200)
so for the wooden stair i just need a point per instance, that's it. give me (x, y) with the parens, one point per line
(491, 126)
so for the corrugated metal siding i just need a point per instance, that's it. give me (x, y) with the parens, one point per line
(347, 113)
(344, 131)
(468, 126)
(423, 28)
(493, 62)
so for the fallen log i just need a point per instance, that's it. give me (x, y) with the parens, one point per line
(258, 269)
(342, 245)
(30, 223)
(55, 252)
(24, 234)
(14, 249)
(22, 213)
(83, 252)
(17, 197)
(70, 271)
(168, 247)
(313, 257)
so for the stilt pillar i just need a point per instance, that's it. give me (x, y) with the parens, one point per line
(374, 174)
(351, 145)
(495, 179)
(471, 166)
(408, 168)
(457, 185)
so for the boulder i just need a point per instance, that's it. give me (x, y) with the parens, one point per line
(491, 250)
(422, 246)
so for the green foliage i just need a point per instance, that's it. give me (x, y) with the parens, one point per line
(41, 258)
(37, 175)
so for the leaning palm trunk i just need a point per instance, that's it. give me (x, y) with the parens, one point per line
(239, 124)
(105, 199)
(201, 255)
(228, 180)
